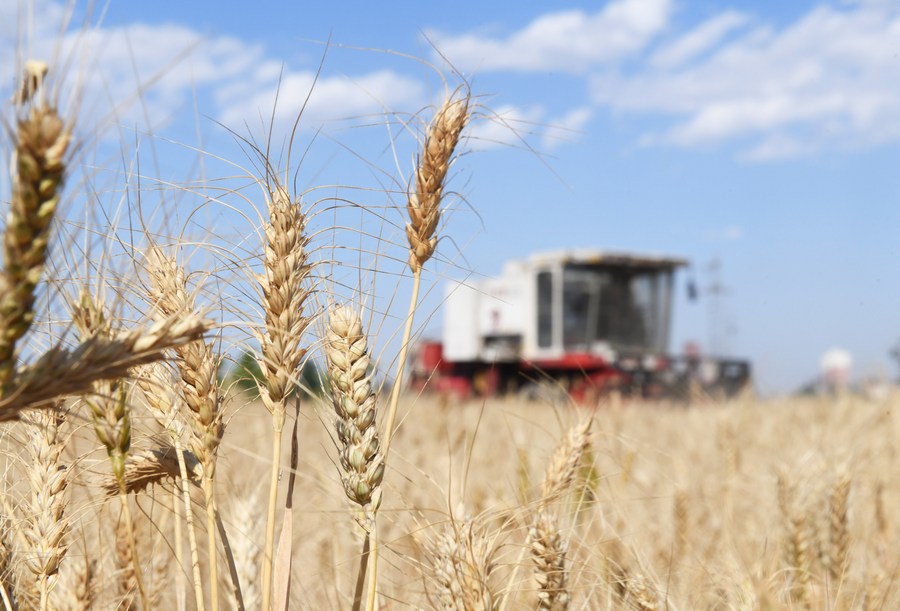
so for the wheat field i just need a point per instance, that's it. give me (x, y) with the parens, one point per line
(165, 448)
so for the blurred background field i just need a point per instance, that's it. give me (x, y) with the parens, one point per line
(712, 506)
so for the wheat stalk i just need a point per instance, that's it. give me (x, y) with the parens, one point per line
(284, 294)
(199, 386)
(129, 581)
(424, 209)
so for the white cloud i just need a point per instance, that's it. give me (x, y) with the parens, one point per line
(331, 98)
(570, 41)
(729, 233)
(141, 75)
(159, 64)
(506, 126)
(830, 80)
(566, 128)
(700, 39)
(517, 126)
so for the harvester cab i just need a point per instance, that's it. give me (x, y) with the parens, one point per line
(585, 321)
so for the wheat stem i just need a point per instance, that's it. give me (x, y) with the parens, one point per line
(180, 589)
(132, 543)
(268, 553)
(401, 364)
(388, 430)
(189, 520)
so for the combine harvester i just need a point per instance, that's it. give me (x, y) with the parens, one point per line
(584, 322)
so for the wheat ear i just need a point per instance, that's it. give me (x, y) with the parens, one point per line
(799, 554)
(111, 417)
(680, 524)
(42, 139)
(424, 204)
(82, 593)
(463, 562)
(195, 360)
(564, 464)
(60, 372)
(839, 532)
(548, 551)
(354, 404)
(284, 294)
(548, 545)
(642, 594)
(245, 510)
(48, 525)
(8, 585)
(153, 467)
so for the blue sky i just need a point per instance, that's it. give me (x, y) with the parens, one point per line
(763, 135)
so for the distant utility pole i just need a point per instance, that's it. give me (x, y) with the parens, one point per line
(719, 329)
(895, 354)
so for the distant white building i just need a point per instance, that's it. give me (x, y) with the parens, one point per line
(835, 364)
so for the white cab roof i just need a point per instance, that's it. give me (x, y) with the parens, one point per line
(609, 257)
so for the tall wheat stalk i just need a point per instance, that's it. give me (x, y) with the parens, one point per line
(198, 368)
(424, 209)
(284, 294)
(361, 461)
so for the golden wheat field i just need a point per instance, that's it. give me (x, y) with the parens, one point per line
(750, 505)
(159, 452)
